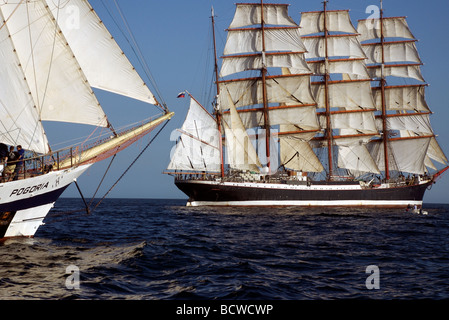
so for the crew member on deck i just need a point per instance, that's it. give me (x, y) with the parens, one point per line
(11, 164)
(19, 163)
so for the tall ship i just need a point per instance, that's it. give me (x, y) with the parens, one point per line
(53, 53)
(313, 114)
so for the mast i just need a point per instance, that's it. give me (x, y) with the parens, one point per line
(259, 43)
(346, 106)
(382, 85)
(326, 93)
(217, 109)
(264, 91)
(403, 110)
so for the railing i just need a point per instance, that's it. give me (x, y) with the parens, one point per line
(64, 158)
(34, 166)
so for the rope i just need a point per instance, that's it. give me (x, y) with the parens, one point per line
(129, 167)
(90, 211)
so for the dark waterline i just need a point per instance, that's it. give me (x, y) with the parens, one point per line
(160, 249)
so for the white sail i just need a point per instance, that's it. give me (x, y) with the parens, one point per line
(412, 71)
(402, 98)
(407, 112)
(292, 89)
(400, 51)
(394, 27)
(59, 88)
(356, 158)
(276, 39)
(296, 152)
(351, 95)
(19, 118)
(241, 153)
(336, 20)
(363, 122)
(418, 123)
(435, 152)
(355, 68)
(406, 155)
(103, 62)
(198, 146)
(337, 46)
(302, 117)
(248, 14)
(234, 64)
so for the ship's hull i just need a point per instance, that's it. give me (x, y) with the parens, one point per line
(24, 204)
(214, 193)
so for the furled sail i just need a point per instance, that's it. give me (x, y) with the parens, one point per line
(409, 143)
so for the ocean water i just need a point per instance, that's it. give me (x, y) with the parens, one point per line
(144, 249)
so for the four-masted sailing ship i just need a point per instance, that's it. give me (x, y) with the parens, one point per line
(311, 115)
(52, 53)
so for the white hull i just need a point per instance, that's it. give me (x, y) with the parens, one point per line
(28, 201)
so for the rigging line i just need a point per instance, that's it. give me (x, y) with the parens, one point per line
(49, 69)
(129, 167)
(34, 64)
(136, 49)
(102, 179)
(15, 9)
(87, 209)
(12, 139)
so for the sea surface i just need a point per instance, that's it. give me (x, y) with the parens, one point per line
(145, 249)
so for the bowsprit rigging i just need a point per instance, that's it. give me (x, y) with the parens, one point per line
(90, 207)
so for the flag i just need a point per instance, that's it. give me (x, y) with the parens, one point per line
(181, 95)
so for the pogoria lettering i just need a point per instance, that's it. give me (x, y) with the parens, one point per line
(30, 189)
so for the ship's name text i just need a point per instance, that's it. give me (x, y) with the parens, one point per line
(30, 189)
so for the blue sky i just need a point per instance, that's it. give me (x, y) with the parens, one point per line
(175, 38)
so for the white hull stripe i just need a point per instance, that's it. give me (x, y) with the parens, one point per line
(331, 203)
